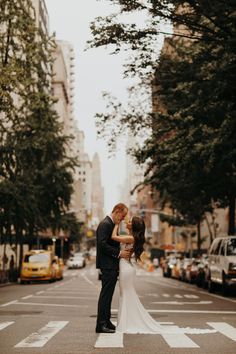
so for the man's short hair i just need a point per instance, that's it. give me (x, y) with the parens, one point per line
(120, 207)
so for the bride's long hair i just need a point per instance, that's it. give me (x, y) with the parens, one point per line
(138, 232)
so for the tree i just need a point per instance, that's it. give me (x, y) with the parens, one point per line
(36, 173)
(191, 152)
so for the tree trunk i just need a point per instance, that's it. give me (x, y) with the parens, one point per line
(21, 243)
(209, 228)
(214, 224)
(199, 236)
(18, 272)
(231, 228)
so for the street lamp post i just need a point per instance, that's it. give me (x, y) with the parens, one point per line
(54, 245)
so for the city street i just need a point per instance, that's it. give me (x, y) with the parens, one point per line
(60, 317)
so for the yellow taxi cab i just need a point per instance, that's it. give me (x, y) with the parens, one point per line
(37, 265)
(58, 266)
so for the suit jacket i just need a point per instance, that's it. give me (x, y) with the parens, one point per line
(107, 249)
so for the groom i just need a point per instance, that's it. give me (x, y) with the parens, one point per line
(108, 254)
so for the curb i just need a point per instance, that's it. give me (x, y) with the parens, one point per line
(7, 284)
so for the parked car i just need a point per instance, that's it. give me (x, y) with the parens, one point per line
(168, 265)
(37, 265)
(222, 263)
(177, 268)
(186, 264)
(203, 273)
(192, 271)
(76, 262)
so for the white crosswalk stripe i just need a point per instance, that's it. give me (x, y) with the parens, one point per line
(224, 328)
(40, 338)
(105, 340)
(179, 340)
(5, 324)
(173, 340)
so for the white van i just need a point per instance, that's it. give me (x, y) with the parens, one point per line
(222, 263)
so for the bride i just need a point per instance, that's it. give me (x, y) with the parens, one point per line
(132, 316)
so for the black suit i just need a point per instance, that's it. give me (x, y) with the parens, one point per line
(108, 261)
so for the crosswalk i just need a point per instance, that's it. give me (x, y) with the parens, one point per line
(176, 338)
(40, 338)
(173, 335)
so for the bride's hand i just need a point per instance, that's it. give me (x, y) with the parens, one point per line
(125, 254)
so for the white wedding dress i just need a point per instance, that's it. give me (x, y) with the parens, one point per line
(132, 316)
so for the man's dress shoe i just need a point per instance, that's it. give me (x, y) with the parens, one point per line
(104, 329)
(111, 326)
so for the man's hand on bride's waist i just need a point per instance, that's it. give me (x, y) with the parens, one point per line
(125, 254)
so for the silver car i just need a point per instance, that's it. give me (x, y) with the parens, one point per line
(76, 262)
(222, 263)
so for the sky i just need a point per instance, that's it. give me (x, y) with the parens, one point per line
(96, 71)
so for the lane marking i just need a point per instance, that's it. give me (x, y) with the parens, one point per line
(191, 290)
(191, 296)
(40, 292)
(217, 296)
(82, 291)
(225, 329)
(106, 340)
(5, 324)
(66, 292)
(174, 336)
(178, 296)
(66, 297)
(27, 297)
(89, 281)
(162, 285)
(109, 340)
(9, 303)
(182, 302)
(154, 295)
(186, 311)
(165, 295)
(44, 304)
(40, 338)
(179, 340)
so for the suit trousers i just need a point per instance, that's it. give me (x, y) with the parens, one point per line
(109, 279)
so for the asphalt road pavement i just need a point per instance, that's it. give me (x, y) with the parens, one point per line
(60, 317)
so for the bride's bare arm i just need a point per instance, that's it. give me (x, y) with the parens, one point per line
(123, 238)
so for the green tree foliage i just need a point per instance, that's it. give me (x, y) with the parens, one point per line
(191, 152)
(35, 171)
(71, 226)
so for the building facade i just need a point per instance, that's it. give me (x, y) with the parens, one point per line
(97, 193)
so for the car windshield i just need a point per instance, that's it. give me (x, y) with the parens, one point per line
(37, 258)
(231, 247)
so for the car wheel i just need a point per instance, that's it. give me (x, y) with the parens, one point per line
(225, 287)
(211, 286)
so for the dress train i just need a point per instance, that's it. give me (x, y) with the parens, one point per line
(133, 317)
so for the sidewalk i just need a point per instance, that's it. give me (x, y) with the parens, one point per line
(6, 284)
